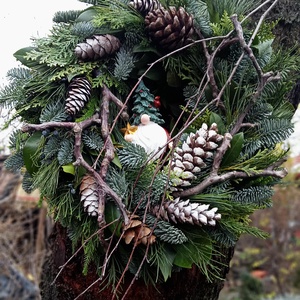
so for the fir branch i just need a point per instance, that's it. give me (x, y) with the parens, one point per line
(84, 30)
(132, 156)
(65, 152)
(124, 64)
(66, 16)
(273, 131)
(165, 231)
(92, 140)
(254, 195)
(27, 183)
(14, 162)
(53, 112)
(116, 15)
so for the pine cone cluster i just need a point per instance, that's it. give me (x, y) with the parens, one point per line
(170, 28)
(96, 47)
(145, 6)
(89, 195)
(188, 159)
(137, 231)
(186, 212)
(78, 94)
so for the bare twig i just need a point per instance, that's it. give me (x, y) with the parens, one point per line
(213, 179)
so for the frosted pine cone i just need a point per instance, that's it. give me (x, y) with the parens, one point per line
(145, 6)
(78, 94)
(188, 159)
(97, 47)
(186, 212)
(89, 195)
(170, 28)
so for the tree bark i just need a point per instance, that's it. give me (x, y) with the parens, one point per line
(187, 284)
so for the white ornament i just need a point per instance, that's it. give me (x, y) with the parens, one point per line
(151, 136)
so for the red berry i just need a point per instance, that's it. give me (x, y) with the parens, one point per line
(157, 102)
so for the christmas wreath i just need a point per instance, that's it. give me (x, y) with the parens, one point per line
(152, 129)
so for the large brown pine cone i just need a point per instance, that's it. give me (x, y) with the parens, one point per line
(96, 47)
(170, 28)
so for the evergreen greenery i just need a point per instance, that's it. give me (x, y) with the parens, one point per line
(252, 114)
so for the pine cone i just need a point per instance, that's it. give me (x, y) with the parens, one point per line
(136, 230)
(170, 28)
(97, 47)
(145, 6)
(89, 195)
(78, 94)
(188, 160)
(186, 212)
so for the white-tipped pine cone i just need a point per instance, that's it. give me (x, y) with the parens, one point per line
(188, 159)
(170, 28)
(78, 94)
(186, 212)
(145, 6)
(96, 47)
(89, 195)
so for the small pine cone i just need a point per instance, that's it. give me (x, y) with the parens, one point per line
(97, 47)
(137, 231)
(78, 94)
(89, 195)
(186, 212)
(190, 158)
(145, 6)
(170, 28)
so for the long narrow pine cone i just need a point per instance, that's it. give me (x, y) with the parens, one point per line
(96, 47)
(78, 94)
(188, 159)
(89, 195)
(180, 211)
(170, 28)
(138, 232)
(145, 6)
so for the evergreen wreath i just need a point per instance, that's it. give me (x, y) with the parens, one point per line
(223, 96)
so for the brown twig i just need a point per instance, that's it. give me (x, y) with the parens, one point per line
(213, 179)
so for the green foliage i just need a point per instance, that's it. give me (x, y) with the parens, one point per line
(92, 139)
(14, 162)
(166, 232)
(66, 16)
(132, 156)
(124, 64)
(217, 8)
(116, 15)
(27, 183)
(259, 196)
(65, 152)
(53, 112)
(56, 50)
(223, 26)
(258, 118)
(198, 9)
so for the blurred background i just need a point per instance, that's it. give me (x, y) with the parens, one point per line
(260, 269)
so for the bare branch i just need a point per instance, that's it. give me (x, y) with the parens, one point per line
(213, 179)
